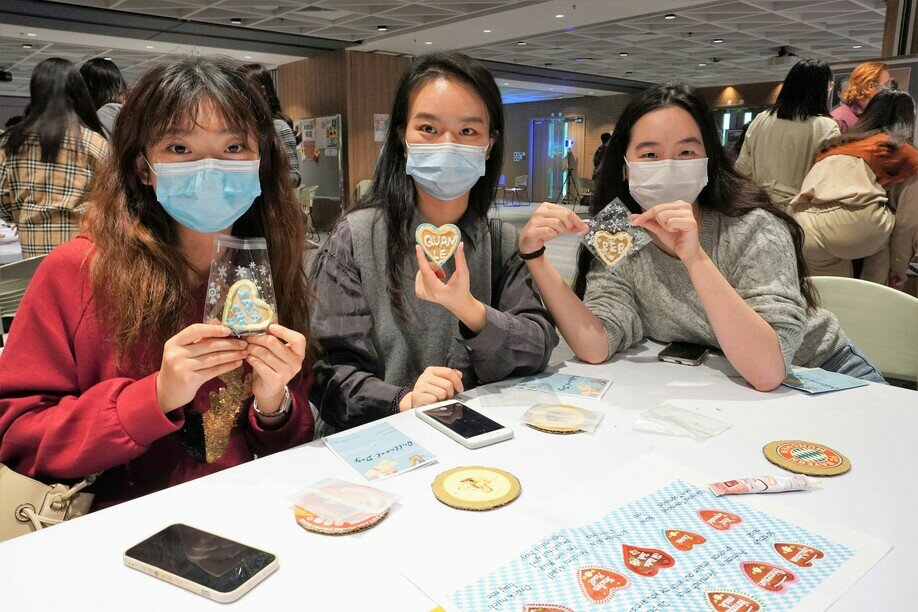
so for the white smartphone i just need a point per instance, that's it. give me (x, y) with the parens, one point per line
(469, 428)
(201, 562)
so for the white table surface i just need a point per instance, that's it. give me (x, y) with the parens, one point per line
(79, 564)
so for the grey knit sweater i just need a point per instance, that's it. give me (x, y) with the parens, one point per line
(369, 352)
(650, 294)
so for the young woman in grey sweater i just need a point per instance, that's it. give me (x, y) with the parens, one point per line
(724, 269)
(395, 336)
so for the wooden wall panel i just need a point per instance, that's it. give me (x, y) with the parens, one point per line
(357, 85)
(313, 87)
(317, 87)
(890, 28)
(372, 81)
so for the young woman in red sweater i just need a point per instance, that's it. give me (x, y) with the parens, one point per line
(108, 366)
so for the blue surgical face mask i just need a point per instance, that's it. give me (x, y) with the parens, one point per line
(446, 170)
(207, 195)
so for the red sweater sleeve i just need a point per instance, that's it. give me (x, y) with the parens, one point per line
(298, 429)
(61, 417)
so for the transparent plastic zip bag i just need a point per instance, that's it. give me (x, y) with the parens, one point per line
(240, 290)
(561, 417)
(611, 236)
(333, 503)
(673, 421)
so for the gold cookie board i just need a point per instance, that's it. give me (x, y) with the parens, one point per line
(556, 418)
(808, 458)
(476, 488)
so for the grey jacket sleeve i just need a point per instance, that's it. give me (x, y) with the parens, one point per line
(107, 115)
(286, 135)
(348, 390)
(610, 297)
(518, 336)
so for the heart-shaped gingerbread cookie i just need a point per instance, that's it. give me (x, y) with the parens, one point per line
(612, 247)
(438, 243)
(799, 554)
(244, 311)
(683, 540)
(734, 602)
(599, 584)
(718, 519)
(767, 576)
(646, 561)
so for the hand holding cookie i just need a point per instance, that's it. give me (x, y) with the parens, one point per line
(674, 226)
(455, 294)
(193, 356)
(547, 223)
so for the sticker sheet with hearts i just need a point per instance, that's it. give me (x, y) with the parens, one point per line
(611, 237)
(680, 548)
(240, 290)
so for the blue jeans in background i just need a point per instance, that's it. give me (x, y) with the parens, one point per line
(851, 361)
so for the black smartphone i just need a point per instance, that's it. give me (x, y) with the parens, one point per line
(685, 353)
(201, 562)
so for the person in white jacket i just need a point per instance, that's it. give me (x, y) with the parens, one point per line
(782, 142)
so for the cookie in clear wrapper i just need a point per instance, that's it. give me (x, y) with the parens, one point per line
(240, 290)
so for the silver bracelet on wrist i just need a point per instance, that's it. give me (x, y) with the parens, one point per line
(284, 407)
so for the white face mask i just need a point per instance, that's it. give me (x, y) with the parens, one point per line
(661, 182)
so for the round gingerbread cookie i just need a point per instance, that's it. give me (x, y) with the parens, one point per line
(476, 488)
(556, 418)
(810, 458)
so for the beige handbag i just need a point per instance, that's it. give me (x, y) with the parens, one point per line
(28, 505)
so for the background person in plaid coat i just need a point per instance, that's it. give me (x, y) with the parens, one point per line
(47, 161)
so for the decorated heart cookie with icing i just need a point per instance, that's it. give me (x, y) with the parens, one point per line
(612, 247)
(718, 519)
(799, 554)
(767, 576)
(683, 540)
(244, 311)
(438, 243)
(599, 584)
(732, 602)
(646, 561)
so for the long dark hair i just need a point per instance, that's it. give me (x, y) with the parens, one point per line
(260, 76)
(137, 255)
(889, 112)
(393, 191)
(804, 93)
(727, 192)
(104, 81)
(59, 104)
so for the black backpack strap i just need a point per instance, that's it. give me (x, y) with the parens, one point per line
(499, 268)
(496, 263)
